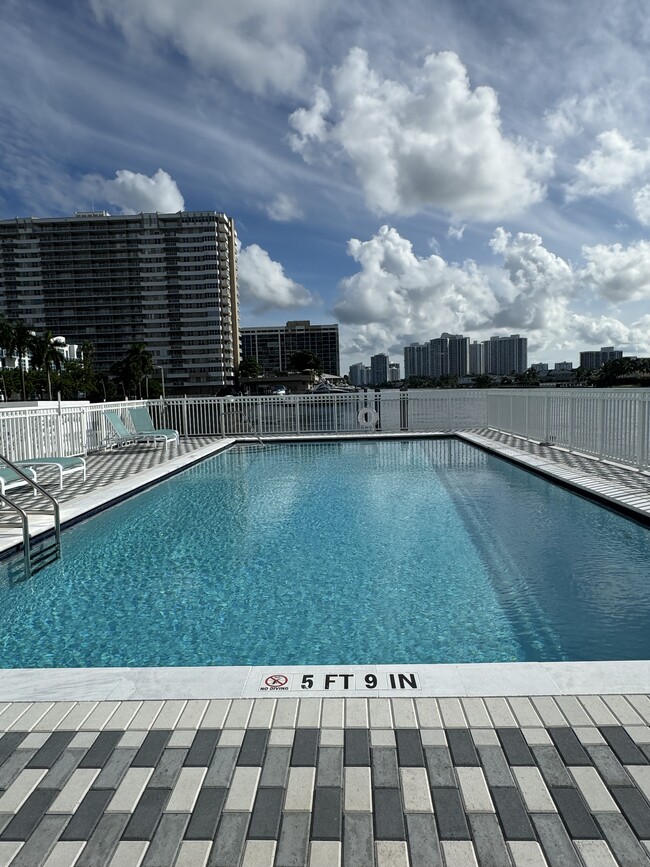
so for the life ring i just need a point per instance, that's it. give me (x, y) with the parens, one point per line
(368, 417)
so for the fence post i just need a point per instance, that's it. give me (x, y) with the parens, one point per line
(185, 427)
(547, 421)
(641, 430)
(526, 403)
(572, 399)
(59, 427)
(601, 425)
(222, 426)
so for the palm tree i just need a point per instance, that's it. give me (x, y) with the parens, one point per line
(47, 354)
(23, 336)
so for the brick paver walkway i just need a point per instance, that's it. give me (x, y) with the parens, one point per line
(357, 782)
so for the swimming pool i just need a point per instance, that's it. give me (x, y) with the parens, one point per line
(420, 551)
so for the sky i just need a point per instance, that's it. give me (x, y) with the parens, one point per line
(403, 169)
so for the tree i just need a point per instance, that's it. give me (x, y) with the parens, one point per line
(250, 367)
(130, 372)
(23, 337)
(305, 359)
(482, 380)
(47, 354)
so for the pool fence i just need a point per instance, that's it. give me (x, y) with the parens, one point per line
(610, 424)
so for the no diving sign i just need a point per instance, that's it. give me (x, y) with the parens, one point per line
(333, 681)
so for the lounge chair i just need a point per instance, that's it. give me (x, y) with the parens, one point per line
(10, 479)
(65, 466)
(143, 424)
(121, 435)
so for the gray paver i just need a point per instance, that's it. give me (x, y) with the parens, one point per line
(424, 846)
(461, 747)
(409, 748)
(552, 767)
(635, 809)
(569, 747)
(112, 774)
(512, 814)
(267, 812)
(305, 748)
(452, 822)
(555, 841)
(166, 841)
(495, 766)
(230, 840)
(223, 766)
(327, 813)
(104, 841)
(358, 842)
(488, 841)
(357, 747)
(439, 766)
(253, 748)
(30, 814)
(41, 842)
(622, 841)
(206, 814)
(51, 750)
(622, 744)
(88, 815)
(294, 840)
(515, 746)
(575, 815)
(275, 771)
(166, 773)
(152, 749)
(62, 769)
(384, 768)
(146, 815)
(99, 753)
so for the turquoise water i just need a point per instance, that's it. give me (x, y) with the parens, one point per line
(384, 552)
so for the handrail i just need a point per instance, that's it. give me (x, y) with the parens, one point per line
(25, 515)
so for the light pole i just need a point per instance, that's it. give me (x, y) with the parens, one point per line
(162, 376)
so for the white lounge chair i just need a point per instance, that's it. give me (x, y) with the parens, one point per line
(65, 466)
(10, 479)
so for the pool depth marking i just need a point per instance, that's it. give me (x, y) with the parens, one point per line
(329, 681)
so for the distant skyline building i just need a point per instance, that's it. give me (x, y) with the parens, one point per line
(563, 365)
(379, 368)
(458, 364)
(594, 359)
(166, 280)
(273, 345)
(438, 357)
(416, 360)
(393, 372)
(476, 358)
(506, 355)
(540, 368)
(359, 374)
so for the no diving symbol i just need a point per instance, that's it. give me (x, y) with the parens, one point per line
(275, 680)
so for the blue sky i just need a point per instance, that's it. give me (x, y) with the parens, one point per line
(402, 169)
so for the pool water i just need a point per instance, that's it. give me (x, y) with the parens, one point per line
(422, 551)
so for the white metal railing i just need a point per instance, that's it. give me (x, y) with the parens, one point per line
(611, 424)
(608, 423)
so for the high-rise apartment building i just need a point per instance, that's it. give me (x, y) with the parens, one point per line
(541, 368)
(563, 365)
(416, 360)
(359, 374)
(438, 357)
(506, 355)
(594, 360)
(274, 345)
(379, 368)
(476, 358)
(167, 280)
(393, 372)
(458, 364)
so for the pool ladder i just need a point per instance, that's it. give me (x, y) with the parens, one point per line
(36, 556)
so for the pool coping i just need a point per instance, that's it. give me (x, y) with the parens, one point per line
(437, 680)
(433, 680)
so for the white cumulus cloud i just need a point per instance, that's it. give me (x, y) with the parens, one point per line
(430, 141)
(263, 285)
(133, 192)
(397, 297)
(642, 205)
(613, 164)
(257, 43)
(619, 273)
(283, 209)
(408, 295)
